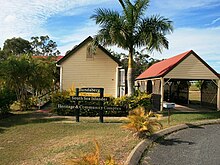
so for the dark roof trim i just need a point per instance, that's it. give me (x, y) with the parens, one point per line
(153, 77)
(71, 52)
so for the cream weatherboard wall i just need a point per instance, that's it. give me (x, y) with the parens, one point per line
(191, 68)
(98, 72)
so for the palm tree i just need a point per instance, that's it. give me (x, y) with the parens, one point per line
(131, 29)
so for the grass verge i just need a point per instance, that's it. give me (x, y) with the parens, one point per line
(37, 139)
(187, 117)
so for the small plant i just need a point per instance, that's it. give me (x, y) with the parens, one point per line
(141, 123)
(93, 158)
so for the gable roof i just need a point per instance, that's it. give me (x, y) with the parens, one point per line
(88, 39)
(161, 68)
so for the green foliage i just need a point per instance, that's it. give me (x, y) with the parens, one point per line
(43, 46)
(131, 102)
(61, 98)
(198, 84)
(131, 29)
(27, 77)
(16, 74)
(141, 123)
(7, 97)
(38, 46)
(16, 46)
(142, 61)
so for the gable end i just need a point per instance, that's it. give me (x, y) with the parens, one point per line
(89, 39)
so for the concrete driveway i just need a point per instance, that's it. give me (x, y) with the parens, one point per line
(198, 145)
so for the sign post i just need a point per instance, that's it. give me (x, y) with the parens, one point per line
(77, 110)
(101, 105)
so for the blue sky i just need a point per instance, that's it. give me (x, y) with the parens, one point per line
(67, 22)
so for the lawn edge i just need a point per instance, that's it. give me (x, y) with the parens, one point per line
(136, 154)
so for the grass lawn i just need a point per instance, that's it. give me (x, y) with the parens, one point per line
(186, 117)
(32, 139)
(29, 138)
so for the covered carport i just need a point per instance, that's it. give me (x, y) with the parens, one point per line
(169, 81)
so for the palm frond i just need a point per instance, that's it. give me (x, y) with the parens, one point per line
(151, 33)
(141, 122)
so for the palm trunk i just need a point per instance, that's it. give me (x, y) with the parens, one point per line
(130, 77)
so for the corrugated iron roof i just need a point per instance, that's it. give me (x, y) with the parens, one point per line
(163, 67)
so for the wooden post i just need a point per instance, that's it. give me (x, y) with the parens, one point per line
(168, 116)
(218, 96)
(161, 93)
(77, 110)
(101, 105)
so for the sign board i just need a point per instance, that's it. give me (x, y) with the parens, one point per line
(86, 98)
(94, 107)
(77, 105)
(91, 90)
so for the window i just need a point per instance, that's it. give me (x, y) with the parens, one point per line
(89, 53)
(121, 77)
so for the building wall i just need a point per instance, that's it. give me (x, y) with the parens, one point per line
(98, 72)
(191, 68)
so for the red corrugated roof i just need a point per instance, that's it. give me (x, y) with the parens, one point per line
(57, 58)
(163, 67)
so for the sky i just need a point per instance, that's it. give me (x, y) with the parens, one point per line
(67, 22)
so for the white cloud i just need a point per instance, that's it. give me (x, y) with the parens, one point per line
(214, 21)
(173, 8)
(205, 42)
(79, 34)
(182, 4)
(27, 18)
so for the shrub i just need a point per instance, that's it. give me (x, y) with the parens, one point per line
(61, 98)
(7, 97)
(142, 123)
(131, 102)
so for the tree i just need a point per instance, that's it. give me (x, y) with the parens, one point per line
(16, 74)
(26, 76)
(43, 46)
(142, 61)
(16, 46)
(132, 29)
(43, 75)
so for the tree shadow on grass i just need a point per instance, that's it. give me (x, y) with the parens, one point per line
(173, 141)
(2, 130)
(26, 118)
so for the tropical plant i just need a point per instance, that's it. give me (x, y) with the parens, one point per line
(93, 158)
(141, 123)
(131, 29)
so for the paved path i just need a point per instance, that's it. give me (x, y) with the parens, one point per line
(193, 146)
